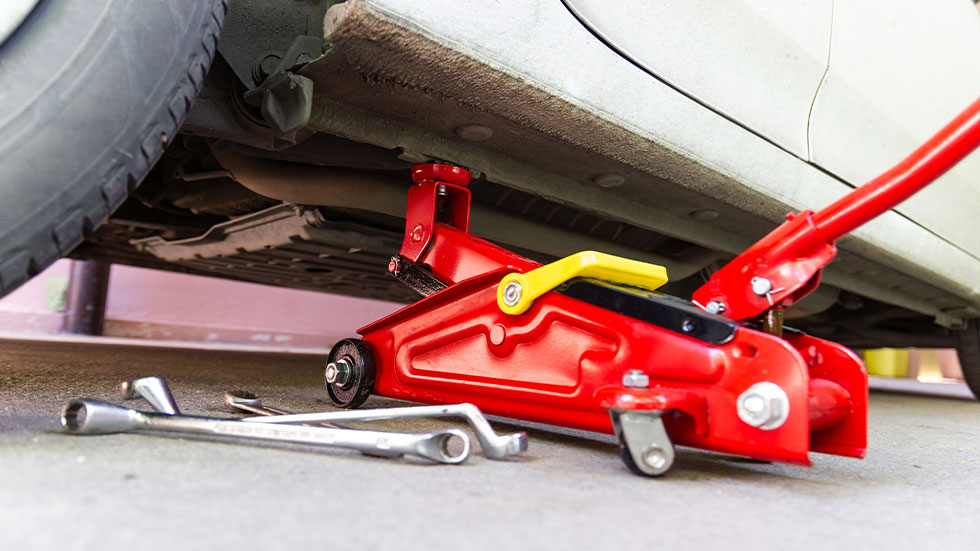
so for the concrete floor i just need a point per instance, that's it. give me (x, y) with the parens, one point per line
(919, 488)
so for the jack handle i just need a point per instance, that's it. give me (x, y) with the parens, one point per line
(785, 265)
(516, 292)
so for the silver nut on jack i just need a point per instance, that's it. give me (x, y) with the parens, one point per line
(338, 373)
(764, 405)
(635, 378)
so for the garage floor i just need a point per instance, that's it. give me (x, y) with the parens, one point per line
(919, 488)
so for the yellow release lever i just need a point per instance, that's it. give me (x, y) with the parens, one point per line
(516, 292)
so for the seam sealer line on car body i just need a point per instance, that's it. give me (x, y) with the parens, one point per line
(586, 343)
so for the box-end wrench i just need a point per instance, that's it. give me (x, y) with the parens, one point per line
(249, 402)
(494, 446)
(157, 393)
(88, 416)
(152, 389)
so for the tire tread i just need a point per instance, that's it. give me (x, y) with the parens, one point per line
(71, 224)
(968, 350)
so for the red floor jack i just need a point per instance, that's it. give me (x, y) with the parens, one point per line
(584, 342)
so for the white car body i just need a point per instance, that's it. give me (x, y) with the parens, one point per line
(661, 114)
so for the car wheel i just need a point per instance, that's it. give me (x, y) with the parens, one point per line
(968, 350)
(91, 91)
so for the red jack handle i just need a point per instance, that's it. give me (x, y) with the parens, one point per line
(785, 265)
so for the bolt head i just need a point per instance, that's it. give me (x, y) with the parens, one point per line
(635, 378)
(512, 293)
(689, 326)
(763, 405)
(761, 286)
(265, 65)
(715, 307)
(394, 266)
(338, 373)
(418, 234)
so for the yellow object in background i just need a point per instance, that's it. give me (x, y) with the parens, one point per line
(887, 362)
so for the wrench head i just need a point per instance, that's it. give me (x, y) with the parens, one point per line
(516, 443)
(88, 416)
(450, 446)
(242, 398)
(152, 389)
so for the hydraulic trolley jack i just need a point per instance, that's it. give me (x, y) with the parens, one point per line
(585, 342)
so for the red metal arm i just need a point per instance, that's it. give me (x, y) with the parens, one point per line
(436, 227)
(785, 265)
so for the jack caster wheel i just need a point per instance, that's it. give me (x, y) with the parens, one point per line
(349, 373)
(644, 444)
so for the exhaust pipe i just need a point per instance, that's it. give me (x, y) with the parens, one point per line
(359, 190)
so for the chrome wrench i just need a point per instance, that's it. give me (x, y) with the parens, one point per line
(157, 393)
(249, 402)
(494, 446)
(152, 389)
(88, 416)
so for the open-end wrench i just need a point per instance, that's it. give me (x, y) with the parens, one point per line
(87, 416)
(243, 400)
(152, 389)
(494, 446)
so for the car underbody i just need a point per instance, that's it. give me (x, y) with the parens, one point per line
(293, 165)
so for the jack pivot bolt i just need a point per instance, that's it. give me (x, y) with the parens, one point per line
(338, 373)
(715, 307)
(635, 378)
(395, 265)
(764, 406)
(512, 293)
(761, 286)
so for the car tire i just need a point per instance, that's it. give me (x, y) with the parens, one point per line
(90, 93)
(968, 350)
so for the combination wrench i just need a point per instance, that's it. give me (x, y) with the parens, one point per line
(249, 402)
(494, 446)
(152, 389)
(156, 392)
(88, 416)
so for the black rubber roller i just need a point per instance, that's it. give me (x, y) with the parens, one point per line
(349, 373)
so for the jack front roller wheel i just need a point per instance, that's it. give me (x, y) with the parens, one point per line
(644, 444)
(349, 373)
